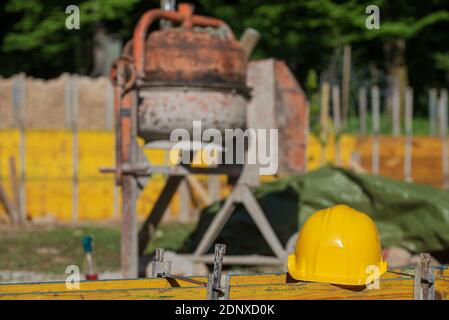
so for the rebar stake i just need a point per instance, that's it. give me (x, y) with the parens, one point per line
(215, 278)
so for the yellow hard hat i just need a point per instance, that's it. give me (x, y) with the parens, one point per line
(337, 245)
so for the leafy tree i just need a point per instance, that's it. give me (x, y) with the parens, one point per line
(307, 34)
(38, 41)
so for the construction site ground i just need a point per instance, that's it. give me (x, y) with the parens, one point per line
(42, 252)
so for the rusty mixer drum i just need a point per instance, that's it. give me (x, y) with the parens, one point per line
(192, 74)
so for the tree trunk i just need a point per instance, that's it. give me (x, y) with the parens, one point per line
(395, 60)
(346, 82)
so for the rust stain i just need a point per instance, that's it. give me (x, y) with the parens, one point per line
(195, 58)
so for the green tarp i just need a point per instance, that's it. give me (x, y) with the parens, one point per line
(412, 216)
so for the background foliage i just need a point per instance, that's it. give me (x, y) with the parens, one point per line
(308, 34)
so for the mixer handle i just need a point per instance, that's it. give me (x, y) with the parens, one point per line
(123, 73)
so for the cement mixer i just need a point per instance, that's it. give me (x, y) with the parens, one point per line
(190, 72)
(193, 69)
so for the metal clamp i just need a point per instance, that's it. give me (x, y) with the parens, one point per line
(161, 269)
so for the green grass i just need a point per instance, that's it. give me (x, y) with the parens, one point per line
(420, 125)
(170, 236)
(50, 249)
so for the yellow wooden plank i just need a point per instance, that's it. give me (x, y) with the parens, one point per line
(392, 289)
(48, 287)
(181, 293)
(101, 188)
(49, 169)
(442, 284)
(265, 278)
(284, 278)
(348, 145)
(389, 290)
(49, 197)
(426, 162)
(260, 286)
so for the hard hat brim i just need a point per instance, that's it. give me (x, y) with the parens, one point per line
(356, 280)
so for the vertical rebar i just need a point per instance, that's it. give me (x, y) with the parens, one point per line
(337, 121)
(409, 134)
(443, 115)
(433, 111)
(362, 110)
(375, 104)
(215, 278)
